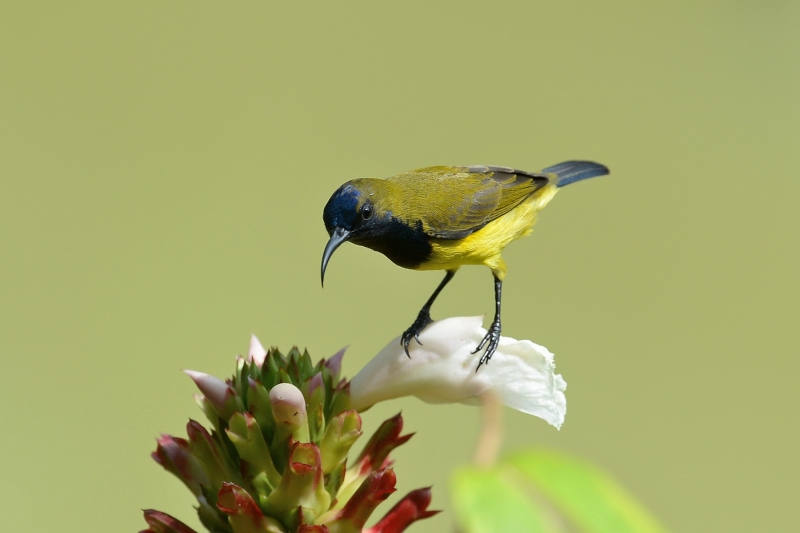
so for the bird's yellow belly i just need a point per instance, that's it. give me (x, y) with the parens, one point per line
(485, 246)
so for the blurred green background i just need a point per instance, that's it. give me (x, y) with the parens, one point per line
(163, 169)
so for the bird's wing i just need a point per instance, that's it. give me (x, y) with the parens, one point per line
(457, 201)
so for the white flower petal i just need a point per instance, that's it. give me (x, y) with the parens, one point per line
(442, 370)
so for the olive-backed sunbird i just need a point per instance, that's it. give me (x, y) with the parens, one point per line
(440, 218)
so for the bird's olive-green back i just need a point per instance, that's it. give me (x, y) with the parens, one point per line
(452, 202)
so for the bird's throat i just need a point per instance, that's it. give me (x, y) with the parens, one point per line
(406, 245)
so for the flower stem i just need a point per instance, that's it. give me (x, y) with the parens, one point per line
(491, 435)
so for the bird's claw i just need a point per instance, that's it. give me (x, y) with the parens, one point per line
(423, 319)
(491, 340)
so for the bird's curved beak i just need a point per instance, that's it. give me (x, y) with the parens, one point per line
(338, 236)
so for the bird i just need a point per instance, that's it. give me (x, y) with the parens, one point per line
(446, 217)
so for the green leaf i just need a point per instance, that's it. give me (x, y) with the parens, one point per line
(585, 495)
(491, 501)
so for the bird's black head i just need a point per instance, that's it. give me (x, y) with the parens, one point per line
(349, 215)
(341, 211)
(352, 208)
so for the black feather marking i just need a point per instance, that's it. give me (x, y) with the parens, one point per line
(341, 209)
(406, 245)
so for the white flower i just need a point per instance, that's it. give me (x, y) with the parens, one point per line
(442, 370)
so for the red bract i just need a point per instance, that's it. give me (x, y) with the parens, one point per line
(175, 455)
(243, 513)
(304, 459)
(408, 510)
(163, 523)
(375, 489)
(387, 438)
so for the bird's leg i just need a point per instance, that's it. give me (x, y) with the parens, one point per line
(492, 338)
(424, 316)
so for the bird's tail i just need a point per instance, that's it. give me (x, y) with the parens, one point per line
(572, 171)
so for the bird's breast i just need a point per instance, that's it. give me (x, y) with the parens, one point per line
(485, 246)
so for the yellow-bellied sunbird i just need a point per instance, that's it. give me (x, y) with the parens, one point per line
(440, 218)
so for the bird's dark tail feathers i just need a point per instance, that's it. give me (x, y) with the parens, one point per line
(572, 171)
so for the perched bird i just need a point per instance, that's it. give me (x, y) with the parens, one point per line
(440, 218)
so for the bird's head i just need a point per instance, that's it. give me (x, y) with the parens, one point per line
(353, 213)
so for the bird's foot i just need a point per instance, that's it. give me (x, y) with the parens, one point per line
(423, 319)
(490, 341)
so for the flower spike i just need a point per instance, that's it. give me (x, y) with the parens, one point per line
(274, 459)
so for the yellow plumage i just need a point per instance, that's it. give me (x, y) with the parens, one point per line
(485, 246)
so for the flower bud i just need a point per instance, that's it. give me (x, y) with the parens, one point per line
(175, 455)
(289, 411)
(257, 353)
(219, 394)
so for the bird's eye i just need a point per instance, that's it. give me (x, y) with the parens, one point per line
(366, 212)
